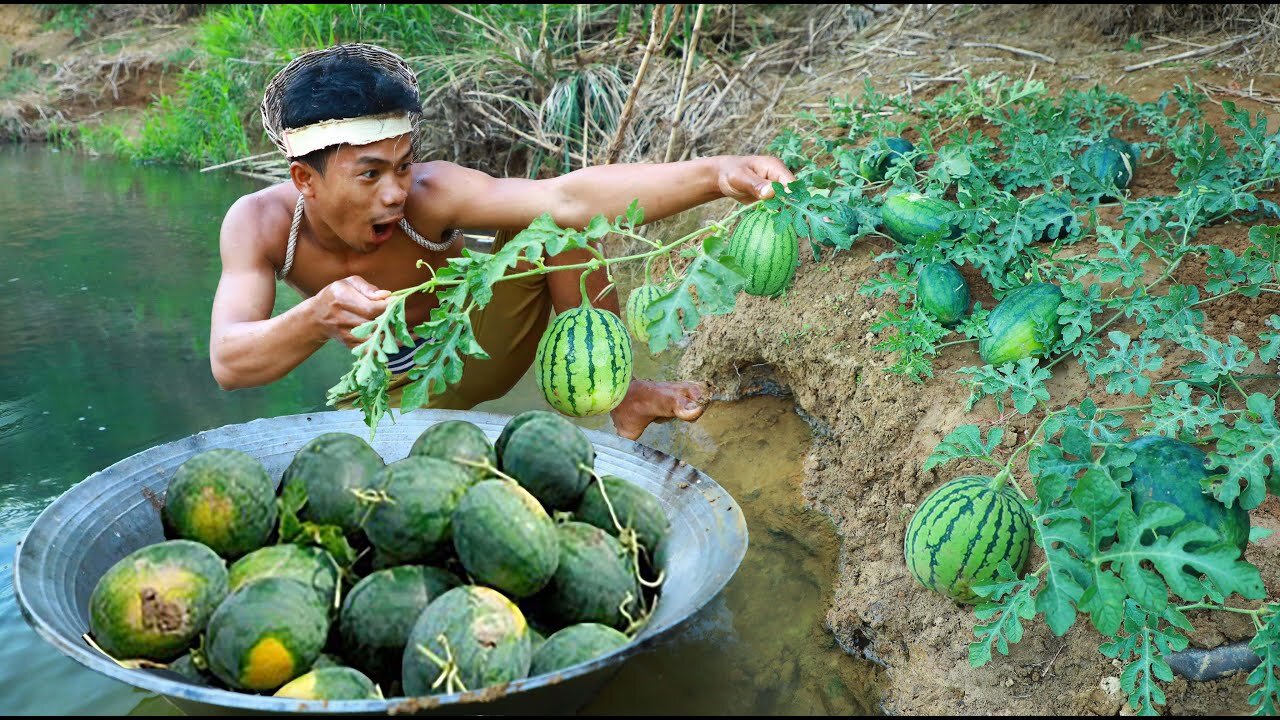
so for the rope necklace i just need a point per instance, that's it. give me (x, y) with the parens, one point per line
(450, 235)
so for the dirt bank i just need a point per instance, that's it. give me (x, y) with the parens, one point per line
(874, 430)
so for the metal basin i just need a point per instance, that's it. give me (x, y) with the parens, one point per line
(116, 511)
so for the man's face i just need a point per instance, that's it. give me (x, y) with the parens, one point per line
(362, 192)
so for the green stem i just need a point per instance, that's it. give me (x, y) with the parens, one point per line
(955, 342)
(1215, 606)
(1120, 313)
(1239, 389)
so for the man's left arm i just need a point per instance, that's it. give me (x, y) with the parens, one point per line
(662, 190)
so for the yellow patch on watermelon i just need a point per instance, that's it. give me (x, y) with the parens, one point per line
(491, 627)
(268, 666)
(303, 688)
(212, 516)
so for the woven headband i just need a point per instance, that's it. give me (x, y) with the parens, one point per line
(295, 142)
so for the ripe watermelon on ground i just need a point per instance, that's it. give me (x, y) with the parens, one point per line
(962, 531)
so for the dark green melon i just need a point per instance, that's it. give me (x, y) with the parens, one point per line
(379, 612)
(1170, 471)
(324, 660)
(514, 424)
(767, 257)
(331, 683)
(483, 632)
(909, 217)
(153, 603)
(583, 364)
(266, 634)
(329, 468)
(1112, 161)
(551, 458)
(223, 499)
(311, 566)
(504, 538)
(576, 644)
(415, 521)
(879, 154)
(634, 507)
(961, 533)
(943, 293)
(594, 579)
(1024, 324)
(638, 302)
(457, 441)
(1057, 218)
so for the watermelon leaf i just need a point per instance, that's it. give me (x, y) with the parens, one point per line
(1012, 603)
(1266, 645)
(1143, 650)
(713, 277)
(966, 442)
(1245, 449)
(1024, 381)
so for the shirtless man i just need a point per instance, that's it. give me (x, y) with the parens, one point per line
(358, 215)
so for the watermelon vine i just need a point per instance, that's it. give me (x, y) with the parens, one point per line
(1027, 189)
(995, 201)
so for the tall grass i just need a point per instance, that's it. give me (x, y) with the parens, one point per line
(213, 116)
(511, 89)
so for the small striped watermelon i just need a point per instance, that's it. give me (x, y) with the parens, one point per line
(1024, 324)
(1112, 162)
(767, 257)
(943, 293)
(961, 533)
(909, 216)
(637, 303)
(584, 362)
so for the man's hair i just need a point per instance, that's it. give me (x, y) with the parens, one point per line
(337, 87)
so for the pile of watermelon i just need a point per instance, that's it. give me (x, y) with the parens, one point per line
(465, 564)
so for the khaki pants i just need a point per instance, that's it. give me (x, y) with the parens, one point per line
(508, 328)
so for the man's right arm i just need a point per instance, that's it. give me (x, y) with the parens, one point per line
(248, 347)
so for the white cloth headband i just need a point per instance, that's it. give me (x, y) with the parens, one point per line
(352, 131)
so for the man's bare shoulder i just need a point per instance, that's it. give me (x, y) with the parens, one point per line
(259, 221)
(441, 178)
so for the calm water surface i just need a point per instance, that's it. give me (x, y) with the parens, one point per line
(107, 272)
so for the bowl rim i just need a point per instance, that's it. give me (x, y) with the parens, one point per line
(156, 682)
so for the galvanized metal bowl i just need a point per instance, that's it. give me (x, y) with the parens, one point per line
(116, 511)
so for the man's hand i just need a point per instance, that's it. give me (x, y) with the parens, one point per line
(748, 179)
(344, 304)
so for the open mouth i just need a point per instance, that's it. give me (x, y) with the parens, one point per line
(382, 232)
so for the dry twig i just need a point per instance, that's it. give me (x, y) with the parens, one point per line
(1012, 49)
(1194, 53)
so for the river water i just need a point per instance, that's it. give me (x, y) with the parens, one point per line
(107, 271)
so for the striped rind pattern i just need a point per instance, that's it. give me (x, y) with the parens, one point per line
(637, 303)
(1012, 324)
(943, 292)
(909, 216)
(961, 533)
(584, 362)
(767, 257)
